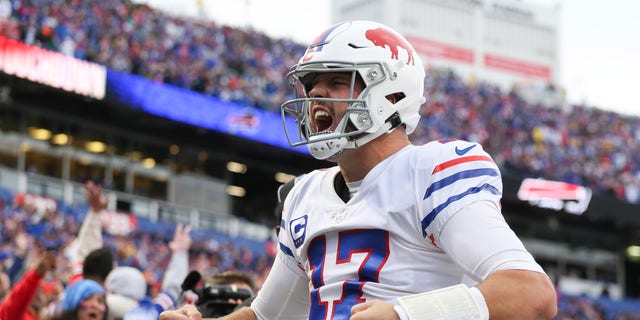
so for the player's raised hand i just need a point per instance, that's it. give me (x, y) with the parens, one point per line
(93, 192)
(186, 312)
(181, 239)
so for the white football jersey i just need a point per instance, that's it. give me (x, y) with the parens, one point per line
(383, 243)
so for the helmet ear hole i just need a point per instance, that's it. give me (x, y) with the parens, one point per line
(395, 97)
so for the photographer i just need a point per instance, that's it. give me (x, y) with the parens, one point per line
(224, 292)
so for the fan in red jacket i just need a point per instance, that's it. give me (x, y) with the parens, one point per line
(19, 302)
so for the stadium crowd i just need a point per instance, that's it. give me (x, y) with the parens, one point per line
(245, 67)
(577, 144)
(581, 145)
(29, 230)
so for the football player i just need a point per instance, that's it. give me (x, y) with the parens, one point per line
(394, 230)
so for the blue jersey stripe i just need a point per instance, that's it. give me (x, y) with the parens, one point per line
(458, 176)
(432, 215)
(285, 249)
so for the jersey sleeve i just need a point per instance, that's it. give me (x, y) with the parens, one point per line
(285, 293)
(286, 243)
(460, 173)
(480, 241)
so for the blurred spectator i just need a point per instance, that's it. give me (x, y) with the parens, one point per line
(89, 239)
(237, 279)
(27, 298)
(85, 299)
(90, 260)
(5, 283)
(20, 249)
(232, 278)
(228, 288)
(5, 9)
(127, 286)
(97, 265)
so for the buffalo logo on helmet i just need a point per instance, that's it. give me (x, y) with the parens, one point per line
(383, 37)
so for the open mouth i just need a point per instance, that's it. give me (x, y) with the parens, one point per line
(322, 121)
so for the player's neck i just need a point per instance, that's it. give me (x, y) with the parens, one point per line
(355, 164)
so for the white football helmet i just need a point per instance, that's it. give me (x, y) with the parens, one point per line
(388, 65)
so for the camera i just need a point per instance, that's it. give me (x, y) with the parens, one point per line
(213, 300)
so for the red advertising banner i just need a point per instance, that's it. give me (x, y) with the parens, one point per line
(118, 223)
(521, 67)
(52, 68)
(556, 195)
(39, 203)
(435, 49)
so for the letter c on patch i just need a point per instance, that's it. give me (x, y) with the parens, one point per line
(298, 229)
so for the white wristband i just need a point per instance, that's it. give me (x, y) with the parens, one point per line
(455, 302)
(402, 314)
(478, 298)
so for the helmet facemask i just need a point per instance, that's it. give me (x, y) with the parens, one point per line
(324, 142)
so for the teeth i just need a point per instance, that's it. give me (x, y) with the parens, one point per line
(321, 132)
(320, 113)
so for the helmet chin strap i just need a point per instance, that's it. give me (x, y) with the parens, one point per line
(327, 149)
(392, 122)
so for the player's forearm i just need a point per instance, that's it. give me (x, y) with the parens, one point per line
(190, 312)
(519, 294)
(245, 313)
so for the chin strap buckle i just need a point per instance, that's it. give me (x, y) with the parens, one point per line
(394, 121)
